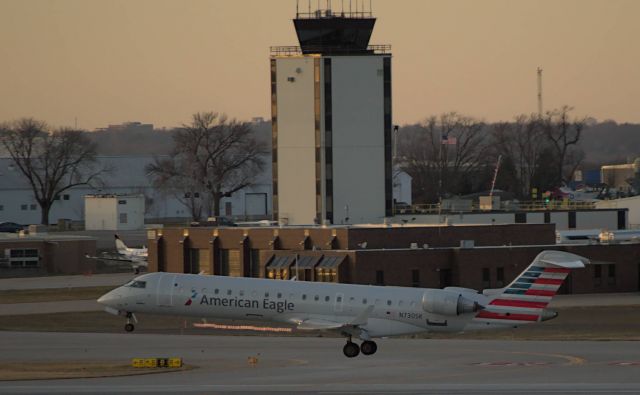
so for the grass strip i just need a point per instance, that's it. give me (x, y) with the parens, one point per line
(52, 295)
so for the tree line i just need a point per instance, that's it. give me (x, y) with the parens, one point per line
(454, 154)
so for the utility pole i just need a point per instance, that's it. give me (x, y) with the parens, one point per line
(539, 92)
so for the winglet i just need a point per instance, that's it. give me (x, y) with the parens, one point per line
(363, 317)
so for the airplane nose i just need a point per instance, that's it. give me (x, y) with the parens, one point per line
(108, 299)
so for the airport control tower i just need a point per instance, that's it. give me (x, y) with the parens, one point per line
(331, 122)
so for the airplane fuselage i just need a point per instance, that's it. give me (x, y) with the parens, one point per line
(396, 310)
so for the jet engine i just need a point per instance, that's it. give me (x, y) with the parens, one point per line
(443, 302)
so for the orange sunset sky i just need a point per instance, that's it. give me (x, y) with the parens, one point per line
(159, 61)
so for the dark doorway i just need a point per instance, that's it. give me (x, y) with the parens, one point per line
(572, 219)
(622, 219)
(445, 278)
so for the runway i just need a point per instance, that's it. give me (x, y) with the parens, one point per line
(316, 365)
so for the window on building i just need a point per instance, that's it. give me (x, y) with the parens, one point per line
(597, 274)
(364, 301)
(23, 207)
(123, 218)
(572, 219)
(379, 277)
(500, 277)
(339, 299)
(229, 292)
(304, 296)
(254, 262)
(486, 277)
(415, 278)
(1, 207)
(388, 302)
(119, 201)
(33, 207)
(224, 263)
(316, 298)
(612, 274)
(196, 195)
(66, 197)
(228, 211)
(21, 258)
(192, 261)
(279, 295)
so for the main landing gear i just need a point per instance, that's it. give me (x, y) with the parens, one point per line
(352, 350)
(129, 327)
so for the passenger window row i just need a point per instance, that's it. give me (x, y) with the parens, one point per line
(142, 284)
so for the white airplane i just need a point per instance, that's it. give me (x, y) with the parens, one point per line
(361, 311)
(137, 257)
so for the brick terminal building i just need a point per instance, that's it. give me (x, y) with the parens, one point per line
(473, 256)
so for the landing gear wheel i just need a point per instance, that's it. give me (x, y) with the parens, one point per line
(351, 350)
(368, 347)
(129, 327)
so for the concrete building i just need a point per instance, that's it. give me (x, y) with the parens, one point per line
(478, 257)
(563, 219)
(631, 204)
(41, 254)
(331, 123)
(114, 212)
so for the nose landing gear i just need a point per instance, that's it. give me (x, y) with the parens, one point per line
(129, 327)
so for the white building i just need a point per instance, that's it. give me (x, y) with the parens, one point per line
(114, 212)
(331, 112)
(630, 203)
(127, 175)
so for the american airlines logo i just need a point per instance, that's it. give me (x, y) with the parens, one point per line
(193, 296)
(266, 304)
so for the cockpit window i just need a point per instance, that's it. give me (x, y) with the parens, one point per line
(137, 284)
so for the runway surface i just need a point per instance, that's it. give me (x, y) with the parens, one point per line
(316, 365)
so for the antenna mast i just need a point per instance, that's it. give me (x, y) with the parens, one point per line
(539, 92)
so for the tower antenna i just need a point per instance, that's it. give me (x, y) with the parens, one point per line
(539, 92)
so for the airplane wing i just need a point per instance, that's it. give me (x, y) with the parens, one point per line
(334, 322)
(317, 324)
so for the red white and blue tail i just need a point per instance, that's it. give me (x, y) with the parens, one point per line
(524, 300)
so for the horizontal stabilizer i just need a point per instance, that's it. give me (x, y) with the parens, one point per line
(562, 259)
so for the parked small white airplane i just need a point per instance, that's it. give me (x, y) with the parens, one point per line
(137, 257)
(361, 311)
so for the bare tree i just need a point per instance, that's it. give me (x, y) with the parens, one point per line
(52, 161)
(563, 135)
(520, 143)
(212, 158)
(445, 152)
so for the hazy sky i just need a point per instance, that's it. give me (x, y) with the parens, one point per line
(159, 61)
